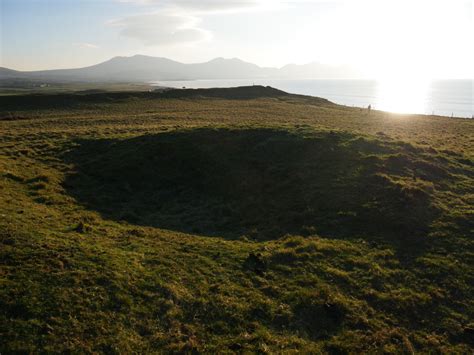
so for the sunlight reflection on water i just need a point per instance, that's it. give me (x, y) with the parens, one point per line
(441, 97)
(397, 96)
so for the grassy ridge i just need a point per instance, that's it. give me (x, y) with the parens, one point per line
(9, 87)
(206, 224)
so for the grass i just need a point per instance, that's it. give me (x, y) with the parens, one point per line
(216, 222)
(10, 87)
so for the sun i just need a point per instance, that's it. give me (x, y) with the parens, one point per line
(402, 95)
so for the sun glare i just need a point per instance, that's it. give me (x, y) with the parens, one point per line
(402, 96)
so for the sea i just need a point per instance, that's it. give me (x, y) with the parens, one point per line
(453, 98)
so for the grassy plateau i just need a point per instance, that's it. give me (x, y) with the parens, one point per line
(242, 220)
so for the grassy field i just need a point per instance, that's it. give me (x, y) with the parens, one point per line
(25, 86)
(242, 220)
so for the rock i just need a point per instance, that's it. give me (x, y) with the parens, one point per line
(8, 241)
(82, 228)
(235, 347)
(255, 263)
(469, 334)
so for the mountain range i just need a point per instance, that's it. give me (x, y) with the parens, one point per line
(140, 68)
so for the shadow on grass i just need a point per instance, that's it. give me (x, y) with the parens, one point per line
(262, 183)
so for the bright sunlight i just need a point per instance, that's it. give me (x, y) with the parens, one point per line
(396, 96)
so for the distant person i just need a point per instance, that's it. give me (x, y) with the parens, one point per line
(369, 108)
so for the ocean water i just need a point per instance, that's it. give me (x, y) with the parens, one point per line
(442, 97)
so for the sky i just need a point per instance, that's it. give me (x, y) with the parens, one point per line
(380, 38)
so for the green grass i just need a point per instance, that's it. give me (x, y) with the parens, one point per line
(184, 223)
(9, 87)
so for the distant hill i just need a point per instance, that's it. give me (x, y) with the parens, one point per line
(140, 68)
(6, 73)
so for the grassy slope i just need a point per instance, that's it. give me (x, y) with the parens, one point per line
(147, 223)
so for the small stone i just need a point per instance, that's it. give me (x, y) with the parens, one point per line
(9, 241)
(82, 228)
(469, 334)
(235, 347)
(255, 263)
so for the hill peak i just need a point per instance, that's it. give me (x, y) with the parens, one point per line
(144, 68)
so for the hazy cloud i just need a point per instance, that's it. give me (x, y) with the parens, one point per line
(173, 22)
(86, 45)
(214, 5)
(201, 6)
(162, 28)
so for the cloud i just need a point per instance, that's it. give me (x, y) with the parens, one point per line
(201, 6)
(172, 22)
(205, 6)
(163, 28)
(86, 45)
